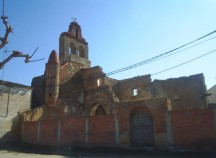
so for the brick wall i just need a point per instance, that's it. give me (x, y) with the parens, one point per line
(29, 132)
(71, 131)
(101, 129)
(48, 132)
(192, 126)
(185, 127)
(156, 108)
(184, 92)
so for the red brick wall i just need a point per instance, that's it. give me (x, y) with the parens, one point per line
(29, 134)
(101, 129)
(73, 130)
(192, 126)
(188, 127)
(48, 132)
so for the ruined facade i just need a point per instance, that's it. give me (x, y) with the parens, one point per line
(74, 103)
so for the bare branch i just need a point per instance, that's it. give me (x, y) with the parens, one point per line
(9, 29)
(18, 54)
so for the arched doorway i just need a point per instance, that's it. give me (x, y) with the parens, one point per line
(142, 128)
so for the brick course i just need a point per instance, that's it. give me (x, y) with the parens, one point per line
(192, 126)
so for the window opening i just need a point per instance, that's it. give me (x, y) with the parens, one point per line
(77, 33)
(81, 52)
(134, 92)
(72, 48)
(69, 50)
(99, 82)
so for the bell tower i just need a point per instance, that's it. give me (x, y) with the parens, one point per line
(73, 47)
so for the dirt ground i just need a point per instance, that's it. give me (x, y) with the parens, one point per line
(26, 151)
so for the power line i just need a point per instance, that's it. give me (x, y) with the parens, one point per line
(184, 62)
(184, 49)
(158, 56)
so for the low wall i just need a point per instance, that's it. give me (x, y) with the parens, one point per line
(172, 128)
(77, 131)
(193, 126)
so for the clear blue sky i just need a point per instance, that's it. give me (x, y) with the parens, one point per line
(119, 33)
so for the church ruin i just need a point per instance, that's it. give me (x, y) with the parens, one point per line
(76, 104)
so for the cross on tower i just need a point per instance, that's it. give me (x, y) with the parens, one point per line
(74, 19)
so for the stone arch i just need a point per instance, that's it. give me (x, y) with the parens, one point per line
(98, 109)
(141, 127)
(72, 48)
(81, 52)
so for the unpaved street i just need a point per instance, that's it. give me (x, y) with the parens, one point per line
(69, 152)
(9, 154)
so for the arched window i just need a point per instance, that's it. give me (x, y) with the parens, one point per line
(99, 82)
(97, 110)
(81, 52)
(100, 111)
(72, 48)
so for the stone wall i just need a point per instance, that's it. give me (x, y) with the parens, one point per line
(212, 97)
(124, 88)
(184, 92)
(38, 93)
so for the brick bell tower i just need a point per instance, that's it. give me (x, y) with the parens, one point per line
(73, 47)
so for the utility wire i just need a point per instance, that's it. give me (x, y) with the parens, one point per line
(158, 56)
(184, 62)
(184, 49)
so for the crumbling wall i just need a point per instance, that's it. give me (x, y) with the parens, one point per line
(102, 95)
(38, 93)
(184, 92)
(93, 77)
(141, 84)
(212, 97)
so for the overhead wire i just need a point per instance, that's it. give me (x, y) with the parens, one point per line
(184, 49)
(184, 63)
(158, 56)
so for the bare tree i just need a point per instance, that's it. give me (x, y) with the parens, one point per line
(4, 41)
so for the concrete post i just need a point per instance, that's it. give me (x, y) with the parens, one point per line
(38, 132)
(86, 130)
(59, 132)
(169, 128)
(116, 129)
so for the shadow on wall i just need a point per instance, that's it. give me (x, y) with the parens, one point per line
(10, 130)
